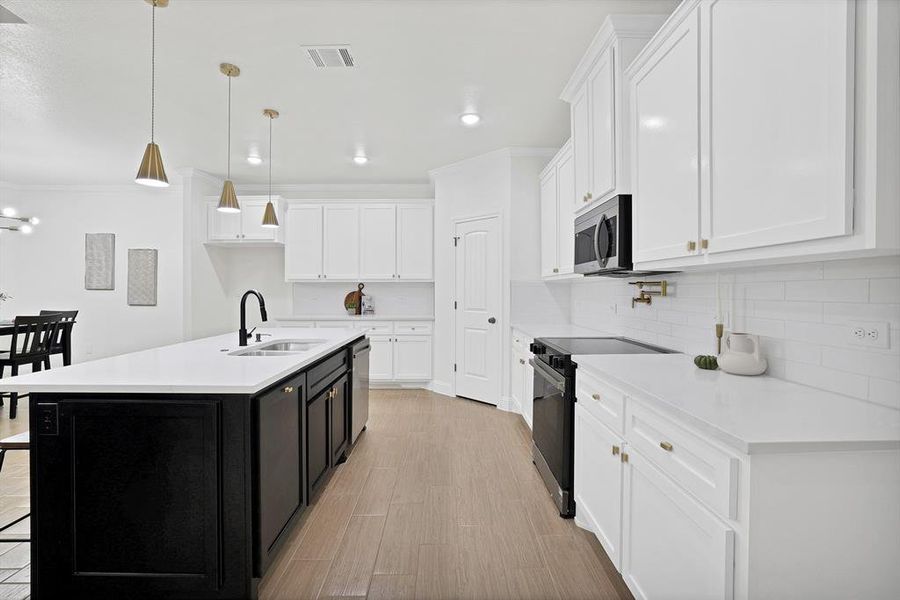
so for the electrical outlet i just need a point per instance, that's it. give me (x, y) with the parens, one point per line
(870, 335)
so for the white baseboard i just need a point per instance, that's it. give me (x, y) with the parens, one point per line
(440, 387)
(398, 385)
(509, 404)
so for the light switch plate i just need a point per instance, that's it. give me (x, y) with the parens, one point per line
(869, 335)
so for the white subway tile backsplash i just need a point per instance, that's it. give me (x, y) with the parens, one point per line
(801, 313)
(884, 392)
(828, 290)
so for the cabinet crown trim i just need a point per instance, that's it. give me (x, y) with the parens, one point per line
(614, 27)
(662, 34)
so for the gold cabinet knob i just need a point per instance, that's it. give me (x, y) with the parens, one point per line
(595, 396)
(522, 361)
(555, 270)
(624, 457)
(666, 446)
(288, 390)
(691, 246)
(704, 243)
(615, 450)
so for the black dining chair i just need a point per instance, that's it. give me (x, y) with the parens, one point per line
(62, 341)
(31, 340)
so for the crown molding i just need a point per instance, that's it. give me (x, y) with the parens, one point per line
(508, 152)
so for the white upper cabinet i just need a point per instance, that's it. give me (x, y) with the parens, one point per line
(549, 229)
(601, 90)
(765, 131)
(377, 235)
(244, 226)
(341, 242)
(303, 242)
(598, 101)
(415, 241)
(365, 241)
(665, 97)
(557, 219)
(779, 121)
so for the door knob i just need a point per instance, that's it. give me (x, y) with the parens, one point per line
(492, 320)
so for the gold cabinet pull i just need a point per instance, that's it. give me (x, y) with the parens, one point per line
(555, 270)
(595, 396)
(691, 246)
(624, 457)
(615, 450)
(522, 361)
(288, 390)
(704, 244)
(666, 446)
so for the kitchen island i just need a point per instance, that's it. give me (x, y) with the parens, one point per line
(179, 471)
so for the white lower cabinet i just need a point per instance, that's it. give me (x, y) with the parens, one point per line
(381, 357)
(673, 546)
(598, 482)
(412, 357)
(521, 376)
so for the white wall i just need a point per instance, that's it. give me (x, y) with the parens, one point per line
(802, 313)
(45, 270)
(391, 299)
(548, 303)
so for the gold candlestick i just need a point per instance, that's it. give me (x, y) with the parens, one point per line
(720, 330)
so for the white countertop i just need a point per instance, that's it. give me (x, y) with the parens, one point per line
(536, 330)
(201, 366)
(355, 318)
(751, 414)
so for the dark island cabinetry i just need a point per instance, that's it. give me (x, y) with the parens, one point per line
(178, 495)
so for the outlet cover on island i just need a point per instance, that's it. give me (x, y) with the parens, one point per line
(870, 335)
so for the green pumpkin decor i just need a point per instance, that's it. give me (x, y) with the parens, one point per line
(706, 361)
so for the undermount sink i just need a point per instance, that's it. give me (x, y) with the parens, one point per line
(279, 348)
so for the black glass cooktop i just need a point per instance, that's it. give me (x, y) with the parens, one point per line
(600, 345)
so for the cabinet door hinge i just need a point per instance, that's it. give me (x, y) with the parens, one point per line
(455, 241)
(454, 305)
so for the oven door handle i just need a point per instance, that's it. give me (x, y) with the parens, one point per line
(549, 374)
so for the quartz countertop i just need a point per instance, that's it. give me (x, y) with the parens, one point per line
(751, 414)
(203, 366)
(355, 318)
(536, 330)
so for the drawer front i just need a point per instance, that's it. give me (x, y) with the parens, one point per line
(321, 375)
(337, 324)
(521, 342)
(301, 324)
(377, 328)
(701, 468)
(416, 327)
(601, 400)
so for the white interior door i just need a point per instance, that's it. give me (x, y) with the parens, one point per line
(377, 234)
(303, 242)
(415, 241)
(479, 299)
(341, 246)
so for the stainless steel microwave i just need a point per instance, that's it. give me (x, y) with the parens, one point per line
(603, 239)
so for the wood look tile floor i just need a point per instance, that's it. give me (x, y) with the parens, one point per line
(439, 499)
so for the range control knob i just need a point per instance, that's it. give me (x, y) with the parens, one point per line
(557, 362)
(537, 348)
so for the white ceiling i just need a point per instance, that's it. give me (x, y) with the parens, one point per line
(74, 93)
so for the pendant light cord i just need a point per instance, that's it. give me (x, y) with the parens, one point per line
(270, 158)
(153, 73)
(229, 127)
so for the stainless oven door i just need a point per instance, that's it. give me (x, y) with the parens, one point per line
(553, 435)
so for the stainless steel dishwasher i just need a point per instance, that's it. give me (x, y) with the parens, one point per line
(359, 410)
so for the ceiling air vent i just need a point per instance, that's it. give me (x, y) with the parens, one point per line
(326, 57)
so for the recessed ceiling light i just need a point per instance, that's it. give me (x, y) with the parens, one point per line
(254, 160)
(34, 220)
(26, 229)
(470, 119)
(360, 159)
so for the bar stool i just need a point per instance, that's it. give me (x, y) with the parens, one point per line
(30, 344)
(62, 341)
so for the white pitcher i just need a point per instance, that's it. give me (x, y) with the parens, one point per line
(741, 356)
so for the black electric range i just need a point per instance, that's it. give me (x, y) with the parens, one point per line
(553, 433)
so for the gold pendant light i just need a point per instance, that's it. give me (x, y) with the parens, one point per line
(270, 219)
(151, 172)
(228, 202)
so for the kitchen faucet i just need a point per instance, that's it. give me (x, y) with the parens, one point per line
(243, 336)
